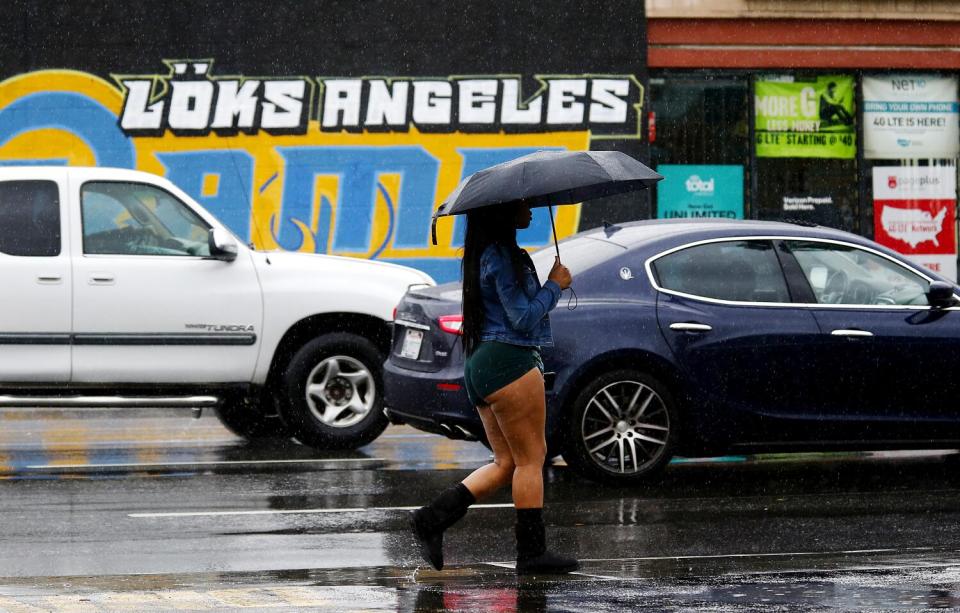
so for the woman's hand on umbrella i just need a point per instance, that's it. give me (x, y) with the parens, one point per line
(560, 274)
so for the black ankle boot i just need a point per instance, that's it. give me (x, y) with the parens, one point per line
(429, 522)
(532, 554)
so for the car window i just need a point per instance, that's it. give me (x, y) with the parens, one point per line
(742, 271)
(841, 274)
(139, 219)
(30, 218)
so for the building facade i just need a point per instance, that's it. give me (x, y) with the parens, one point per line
(839, 113)
(322, 126)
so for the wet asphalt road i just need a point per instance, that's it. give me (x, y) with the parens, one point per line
(140, 511)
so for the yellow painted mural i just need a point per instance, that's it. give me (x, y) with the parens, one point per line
(346, 166)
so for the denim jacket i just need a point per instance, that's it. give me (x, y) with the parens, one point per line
(514, 313)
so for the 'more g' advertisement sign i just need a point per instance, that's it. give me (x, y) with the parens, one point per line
(915, 214)
(324, 144)
(805, 118)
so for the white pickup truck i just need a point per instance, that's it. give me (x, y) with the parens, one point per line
(119, 290)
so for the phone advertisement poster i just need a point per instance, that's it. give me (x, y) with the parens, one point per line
(915, 214)
(690, 191)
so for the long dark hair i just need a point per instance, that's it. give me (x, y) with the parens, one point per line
(493, 225)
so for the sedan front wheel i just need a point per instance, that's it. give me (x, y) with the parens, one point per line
(623, 428)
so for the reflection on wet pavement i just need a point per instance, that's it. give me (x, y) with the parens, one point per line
(135, 511)
(99, 444)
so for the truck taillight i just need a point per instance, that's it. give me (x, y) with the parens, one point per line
(451, 323)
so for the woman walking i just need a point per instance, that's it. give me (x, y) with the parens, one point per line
(505, 323)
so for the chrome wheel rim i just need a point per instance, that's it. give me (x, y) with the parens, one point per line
(625, 427)
(340, 391)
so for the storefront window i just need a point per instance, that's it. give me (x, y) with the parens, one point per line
(873, 154)
(700, 142)
(911, 140)
(805, 149)
(815, 190)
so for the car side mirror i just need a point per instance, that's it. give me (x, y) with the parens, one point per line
(940, 295)
(222, 245)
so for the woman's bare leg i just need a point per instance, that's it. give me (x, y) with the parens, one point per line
(520, 411)
(488, 479)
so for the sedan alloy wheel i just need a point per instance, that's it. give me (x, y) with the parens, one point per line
(625, 427)
(622, 428)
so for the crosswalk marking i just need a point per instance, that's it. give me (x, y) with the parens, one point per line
(10, 605)
(340, 598)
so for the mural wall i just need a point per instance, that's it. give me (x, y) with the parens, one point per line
(349, 165)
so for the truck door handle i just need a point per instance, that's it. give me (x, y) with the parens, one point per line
(101, 278)
(851, 333)
(690, 327)
(49, 279)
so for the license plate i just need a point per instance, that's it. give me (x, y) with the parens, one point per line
(411, 344)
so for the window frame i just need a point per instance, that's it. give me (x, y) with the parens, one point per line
(776, 257)
(651, 276)
(83, 251)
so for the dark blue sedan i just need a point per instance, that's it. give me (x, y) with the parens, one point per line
(708, 337)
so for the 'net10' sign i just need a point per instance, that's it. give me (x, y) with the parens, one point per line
(348, 166)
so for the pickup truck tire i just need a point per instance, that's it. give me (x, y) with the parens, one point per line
(333, 392)
(253, 418)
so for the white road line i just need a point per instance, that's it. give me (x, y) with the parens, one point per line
(591, 576)
(205, 463)
(512, 566)
(897, 566)
(383, 436)
(300, 511)
(741, 555)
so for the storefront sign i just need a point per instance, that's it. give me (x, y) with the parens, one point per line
(915, 213)
(910, 116)
(689, 191)
(806, 119)
(818, 209)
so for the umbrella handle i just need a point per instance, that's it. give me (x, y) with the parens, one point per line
(433, 229)
(553, 227)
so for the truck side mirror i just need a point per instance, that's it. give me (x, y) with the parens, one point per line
(940, 295)
(222, 245)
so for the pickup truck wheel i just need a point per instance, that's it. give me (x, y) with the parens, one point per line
(333, 392)
(252, 419)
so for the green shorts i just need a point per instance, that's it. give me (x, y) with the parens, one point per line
(494, 365)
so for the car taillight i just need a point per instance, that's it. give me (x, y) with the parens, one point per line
(451, 323)
(394, 316)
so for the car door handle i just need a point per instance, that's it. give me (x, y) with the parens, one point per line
(102, 278)
(49, 279)
(851, 333)
(690, 327)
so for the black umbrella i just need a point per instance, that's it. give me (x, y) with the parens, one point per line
(548, 178)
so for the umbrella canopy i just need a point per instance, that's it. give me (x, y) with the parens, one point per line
(548, 178)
